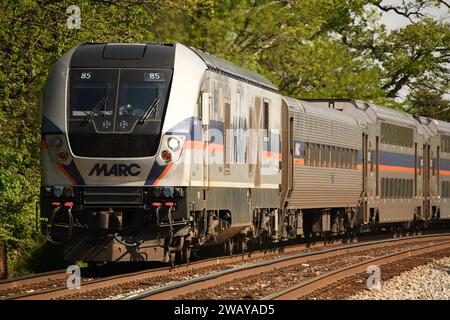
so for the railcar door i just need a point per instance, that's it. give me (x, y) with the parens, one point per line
(425, 164)
(433, 177)
(206, 102)
(365, 138)
(287, 150)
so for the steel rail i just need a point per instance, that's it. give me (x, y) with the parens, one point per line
(184, 283)
(306, 287)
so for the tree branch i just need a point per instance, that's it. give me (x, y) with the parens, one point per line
(447, 4)
(407, 11)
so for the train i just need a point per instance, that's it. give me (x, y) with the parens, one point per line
(153, 151)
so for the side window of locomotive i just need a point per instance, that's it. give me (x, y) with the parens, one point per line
(266, 117)
(226, 142)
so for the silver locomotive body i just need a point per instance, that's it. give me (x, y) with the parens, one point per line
(137, 164)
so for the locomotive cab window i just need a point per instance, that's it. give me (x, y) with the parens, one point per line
(91, 98)
(116, 112)
(92, 93)
(135, 98)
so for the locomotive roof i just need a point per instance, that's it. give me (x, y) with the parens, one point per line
(225, 67)
(128, 55)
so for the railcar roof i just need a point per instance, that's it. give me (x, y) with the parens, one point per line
(393, 115)
(326, 112)
(225, 67)
(435, 125)
(322, 111)
(367, 112)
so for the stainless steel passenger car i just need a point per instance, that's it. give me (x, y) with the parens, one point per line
(325, 181)
(400, 163)
(438, 156)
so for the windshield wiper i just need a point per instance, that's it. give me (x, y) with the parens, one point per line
(103, 102)
(150, 110)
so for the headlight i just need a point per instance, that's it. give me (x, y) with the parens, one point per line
(173, 143)
(58, 191)
(57, 142)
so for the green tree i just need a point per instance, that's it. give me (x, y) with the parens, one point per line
(293, 43)
(429, 103)
(33, 35)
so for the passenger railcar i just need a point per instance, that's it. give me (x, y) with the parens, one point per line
(438, 148)
(325, 181)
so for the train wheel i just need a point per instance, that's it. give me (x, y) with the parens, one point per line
(228, 247)
(186, 254)
(242, 246)
(172, 259)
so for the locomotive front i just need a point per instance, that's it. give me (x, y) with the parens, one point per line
(107, 148)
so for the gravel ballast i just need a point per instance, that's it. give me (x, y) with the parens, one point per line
(427, 282)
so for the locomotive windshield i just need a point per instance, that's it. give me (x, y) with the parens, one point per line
(116, 112)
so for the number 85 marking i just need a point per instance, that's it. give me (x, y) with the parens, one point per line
(85, 75)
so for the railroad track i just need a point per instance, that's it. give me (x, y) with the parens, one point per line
(162, 283)
(327, 282)
(271, 278)
(52, 285)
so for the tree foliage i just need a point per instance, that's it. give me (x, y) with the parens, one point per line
(309, 48)
(33, 35)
